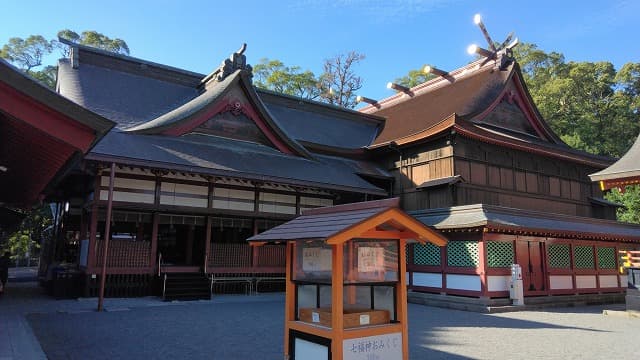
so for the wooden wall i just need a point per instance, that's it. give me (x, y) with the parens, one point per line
(491, 175)
(517, 179)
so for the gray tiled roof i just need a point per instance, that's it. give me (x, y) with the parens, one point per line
(226, 157)
(323, 128)
(627, 166)
(125, 98)
(503, 218)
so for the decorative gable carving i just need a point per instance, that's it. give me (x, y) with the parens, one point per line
(235, 123)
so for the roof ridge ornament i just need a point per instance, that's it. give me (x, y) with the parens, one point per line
(236, 61)
(502, 52)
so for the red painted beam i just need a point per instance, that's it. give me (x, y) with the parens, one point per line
(45, 119)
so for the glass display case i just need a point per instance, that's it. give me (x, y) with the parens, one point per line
(370, 277)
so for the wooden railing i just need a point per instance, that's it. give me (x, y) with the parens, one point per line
(125, 254)
(230, 255)
(245, 257)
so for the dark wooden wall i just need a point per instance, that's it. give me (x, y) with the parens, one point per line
(491, 175)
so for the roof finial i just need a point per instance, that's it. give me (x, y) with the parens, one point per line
(237, 61)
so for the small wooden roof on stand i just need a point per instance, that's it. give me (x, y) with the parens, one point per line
(381, 219)
(625, 171)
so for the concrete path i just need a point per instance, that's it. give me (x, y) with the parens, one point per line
(251, 327)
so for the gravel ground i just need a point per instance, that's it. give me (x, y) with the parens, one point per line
(240, 327)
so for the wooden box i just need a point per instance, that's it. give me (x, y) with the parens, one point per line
(352, 317)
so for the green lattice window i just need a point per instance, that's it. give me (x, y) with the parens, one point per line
(427, 254)
(583, 257)
(462, 253)
(559, 256)
(606, 258)
(499, 254)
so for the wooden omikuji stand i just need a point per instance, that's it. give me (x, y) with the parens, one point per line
(346, 294)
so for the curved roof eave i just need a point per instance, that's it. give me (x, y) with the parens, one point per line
(186, 113)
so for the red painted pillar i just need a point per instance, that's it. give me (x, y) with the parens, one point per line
(107, 230)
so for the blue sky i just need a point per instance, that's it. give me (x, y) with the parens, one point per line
(395, 35)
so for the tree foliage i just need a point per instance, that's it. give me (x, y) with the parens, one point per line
(588, 104)
(274, 75)
(28, 54)
(97, 40)
(630, 199)
(337, 85)
(340, 80)
(414, 77)
(32, 229)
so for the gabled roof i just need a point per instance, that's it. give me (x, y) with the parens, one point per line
(234, 92)
(337, 224)
(313, 123)
(485, 100)
(121, 88)
(163, 114)
(526, 222)
(625, 171)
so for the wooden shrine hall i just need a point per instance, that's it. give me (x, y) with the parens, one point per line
(196, 164)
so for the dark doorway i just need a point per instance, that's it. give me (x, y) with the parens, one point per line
(181, 244)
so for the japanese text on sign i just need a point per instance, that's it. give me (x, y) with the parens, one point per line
(380, 347)
(316, 259)
(370, 259)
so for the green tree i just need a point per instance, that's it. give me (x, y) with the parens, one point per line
(630, 199)
(95, 39)
(414, 77)
(26, 239)
(274, 75)
(339, 80)
(589, 105)
(26, 53)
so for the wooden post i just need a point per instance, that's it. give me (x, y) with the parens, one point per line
(337, 297)
(154, 241)
(482, 266)
(207, 243)
(254, 249)
(289, 308)
(107, 230)
(189, 246)
(401, 295)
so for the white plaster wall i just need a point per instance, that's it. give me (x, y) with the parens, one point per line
(129, 183)
(608, 281)
(557, 282)
(498, 283)
(463, 282)
(427, 279)
(585, 281)
(127, 197)
(185, 201)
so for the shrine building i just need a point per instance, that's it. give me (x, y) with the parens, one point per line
(197, 163)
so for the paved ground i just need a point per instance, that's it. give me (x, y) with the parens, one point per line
(240, 327)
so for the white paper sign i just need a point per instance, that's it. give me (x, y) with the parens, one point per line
(370, 259)
(315, 317)
(380, 347)
(316, 259)
(364, 319)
